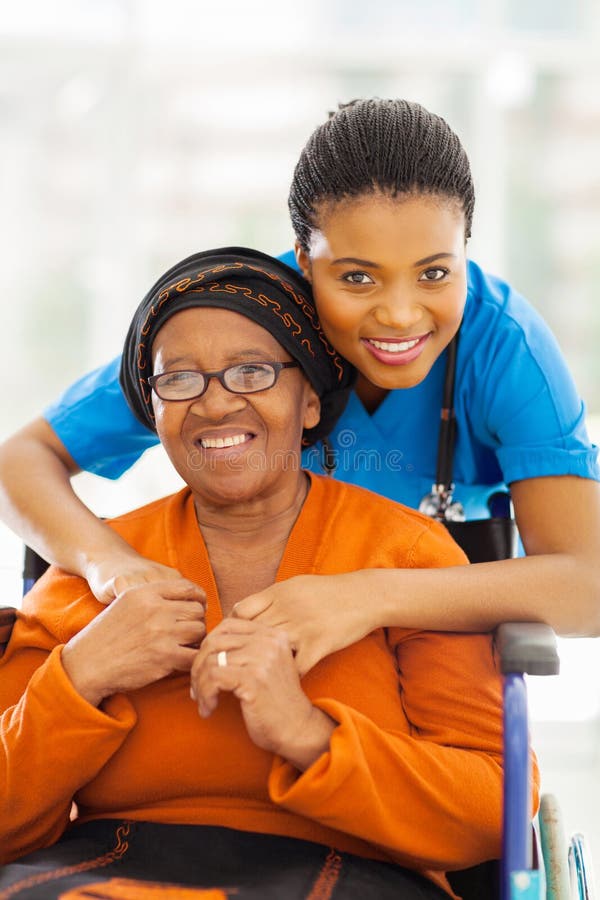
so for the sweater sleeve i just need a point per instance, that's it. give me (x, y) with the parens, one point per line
(52, 741)
(94, 422)
(430, 797)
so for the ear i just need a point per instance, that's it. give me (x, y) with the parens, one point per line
(312, 408)
(303, 260)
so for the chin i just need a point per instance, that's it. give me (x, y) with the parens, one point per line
(225, 495)
(398, 378)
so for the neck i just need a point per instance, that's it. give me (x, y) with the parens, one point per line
(370, 395)
(246, 543)
(251, 520)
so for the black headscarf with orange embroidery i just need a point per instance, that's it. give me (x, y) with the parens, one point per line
(257, 286)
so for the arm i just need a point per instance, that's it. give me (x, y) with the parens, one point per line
(420, 789)
(557, 583)
(54, 737)
(52, 742)
(38, 502)
(559, 522)
(421, 792)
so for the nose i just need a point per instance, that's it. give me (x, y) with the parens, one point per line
(216, 402)
(398, 309)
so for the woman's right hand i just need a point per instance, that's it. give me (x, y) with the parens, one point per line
(147, 632)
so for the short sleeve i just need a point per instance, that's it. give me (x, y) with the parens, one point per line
(95, 424)
(528, 406)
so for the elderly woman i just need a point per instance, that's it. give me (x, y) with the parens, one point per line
(194, 753)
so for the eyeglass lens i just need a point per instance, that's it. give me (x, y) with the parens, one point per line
(240, 379)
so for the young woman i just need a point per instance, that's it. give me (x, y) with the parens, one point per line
(369, 778)
(381, 202)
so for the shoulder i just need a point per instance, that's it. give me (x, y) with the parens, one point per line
(63, 603)
(150, 528)
(496, 313)
(508, 355)
(372, 530)
(56, 599)
(351, 497)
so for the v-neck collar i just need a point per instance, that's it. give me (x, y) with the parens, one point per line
(188, 551)
(377, 414)
(424, 399)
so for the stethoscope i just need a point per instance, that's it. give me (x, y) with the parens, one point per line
(438, 503)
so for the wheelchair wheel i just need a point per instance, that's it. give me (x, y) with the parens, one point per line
(554, 849)
(580, 869)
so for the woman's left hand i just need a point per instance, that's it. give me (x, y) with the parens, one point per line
(320, 613)
(261, 672)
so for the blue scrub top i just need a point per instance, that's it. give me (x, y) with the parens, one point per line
(517, 410)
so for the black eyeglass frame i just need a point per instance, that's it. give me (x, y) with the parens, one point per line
(220, 375)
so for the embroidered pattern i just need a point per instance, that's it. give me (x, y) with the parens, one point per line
(132, 889)
(119, 850)
(201, 285)
(328, 877)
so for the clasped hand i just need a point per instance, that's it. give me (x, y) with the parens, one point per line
(261, 672)
(148, 632)
(153, 627)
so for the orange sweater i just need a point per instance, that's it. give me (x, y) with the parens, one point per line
(413, 772)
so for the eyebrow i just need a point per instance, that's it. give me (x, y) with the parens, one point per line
(434, 257)
(354, 260)
(369, 264)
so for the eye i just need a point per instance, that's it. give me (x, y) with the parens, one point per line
(357, 278)
(177, 379)
(249, 377)
(437, 274)
(248, 370)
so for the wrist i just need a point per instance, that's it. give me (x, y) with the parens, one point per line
(369, 589)
(106, 549)
(81, 675)
(383, 604)
(309, 740)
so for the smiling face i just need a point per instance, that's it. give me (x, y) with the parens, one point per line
(389, 279)
(231, 448)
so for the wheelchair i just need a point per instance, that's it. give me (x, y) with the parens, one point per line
(536, 863)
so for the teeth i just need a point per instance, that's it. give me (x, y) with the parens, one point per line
(395, 347)
(217, 443)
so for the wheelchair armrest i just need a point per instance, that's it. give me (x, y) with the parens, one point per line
(527, 647)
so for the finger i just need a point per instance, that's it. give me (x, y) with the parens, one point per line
(187, 610)
(229, 630)
(179, 602)
(251, 606)
(189, 634)
(182, 589)
(107, 594)
(207, 659)
(302, 661)
(183, 658)
(219, 678)
(214, 643)
(231, 625)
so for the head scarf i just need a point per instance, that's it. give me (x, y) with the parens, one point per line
(257, 286)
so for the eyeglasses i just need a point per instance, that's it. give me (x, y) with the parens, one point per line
(246, 378)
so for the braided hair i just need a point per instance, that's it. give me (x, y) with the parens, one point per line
(393, 147)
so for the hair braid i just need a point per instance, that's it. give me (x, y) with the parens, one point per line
(393, 146)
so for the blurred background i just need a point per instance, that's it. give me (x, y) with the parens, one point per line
(134, 132)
